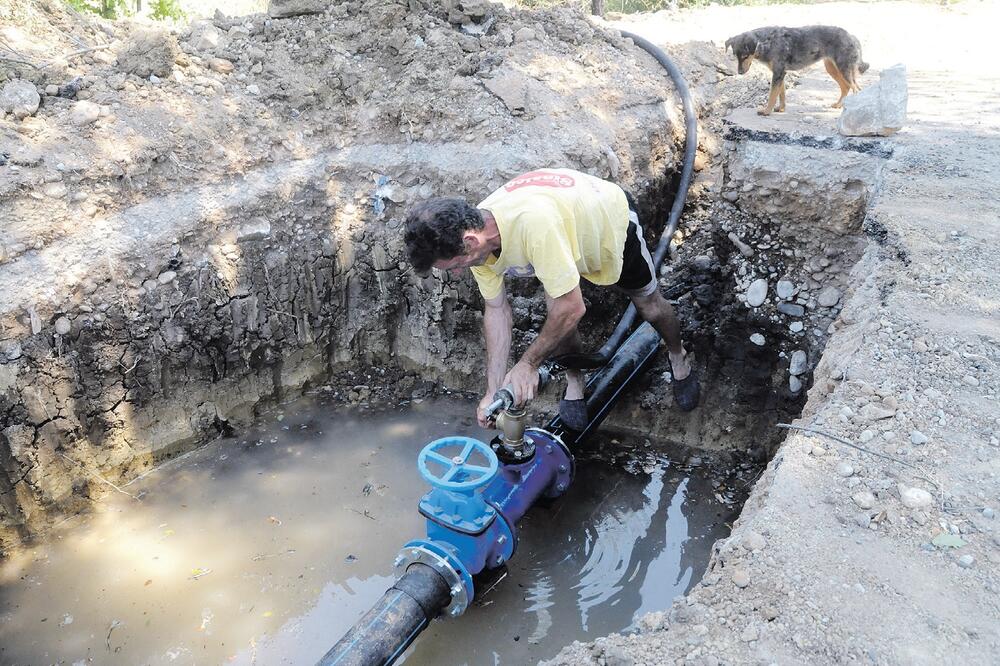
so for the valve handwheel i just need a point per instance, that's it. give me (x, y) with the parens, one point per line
(451, 455)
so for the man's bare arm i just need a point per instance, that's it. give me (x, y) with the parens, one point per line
(561, 321)
(498, 321)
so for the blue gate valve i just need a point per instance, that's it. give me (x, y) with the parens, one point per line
(459, 473)
(474, 502)
(454, 501)
(464, 534)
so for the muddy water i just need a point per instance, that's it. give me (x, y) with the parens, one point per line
(266, 548)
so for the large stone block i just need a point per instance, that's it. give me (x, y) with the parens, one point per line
(148, 51)
(286, 8)
(878, 110)
(204, 36)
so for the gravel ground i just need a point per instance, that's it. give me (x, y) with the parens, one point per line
(888, 555)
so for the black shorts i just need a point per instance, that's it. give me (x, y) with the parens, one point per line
(638, 276)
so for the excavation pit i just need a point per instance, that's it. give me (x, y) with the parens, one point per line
(271, 542)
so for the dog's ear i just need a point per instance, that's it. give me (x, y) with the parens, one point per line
(729, 45)
(760, 47)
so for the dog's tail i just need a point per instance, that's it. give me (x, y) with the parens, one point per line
(862, 65)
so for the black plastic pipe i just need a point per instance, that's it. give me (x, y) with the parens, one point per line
(687, 169)
(385, 631)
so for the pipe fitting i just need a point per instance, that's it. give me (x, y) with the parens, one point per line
(446, 564)
(511, 423)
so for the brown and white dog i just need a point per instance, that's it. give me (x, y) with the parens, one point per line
(783, 49)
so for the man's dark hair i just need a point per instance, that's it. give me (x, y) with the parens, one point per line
(434, 230)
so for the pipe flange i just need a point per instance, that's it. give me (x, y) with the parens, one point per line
(511, 456)
(461, 591)
(557, 438)
(566, 474)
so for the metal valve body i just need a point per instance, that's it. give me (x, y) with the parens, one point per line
(472, 508)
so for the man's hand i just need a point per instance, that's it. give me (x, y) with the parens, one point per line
(481, 417)
(523, 379)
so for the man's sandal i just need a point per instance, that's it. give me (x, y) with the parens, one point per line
(574, 414)
(687, 391)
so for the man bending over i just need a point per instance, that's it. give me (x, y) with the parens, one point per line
(557, 225)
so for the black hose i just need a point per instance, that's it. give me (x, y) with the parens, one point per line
(385, 631)
(687, 168)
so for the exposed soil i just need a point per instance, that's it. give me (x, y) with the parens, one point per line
(224, 228)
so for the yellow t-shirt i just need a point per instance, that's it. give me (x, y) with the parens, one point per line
(558, 225)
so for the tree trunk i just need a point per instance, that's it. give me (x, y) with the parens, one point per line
(597, 8)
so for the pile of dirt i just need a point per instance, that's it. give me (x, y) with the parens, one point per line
(227, 95)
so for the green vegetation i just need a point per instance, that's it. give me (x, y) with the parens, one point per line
(109, 9)
(166, 9)
(159, 10)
